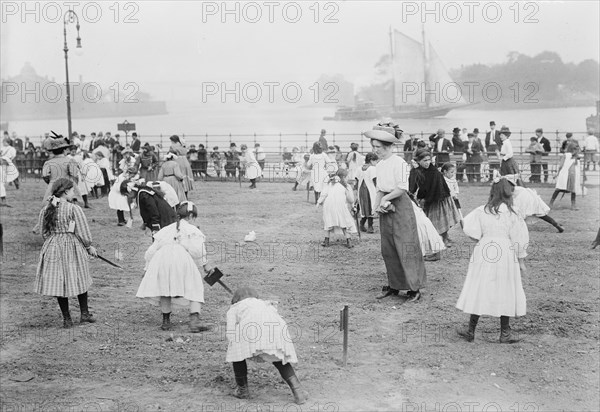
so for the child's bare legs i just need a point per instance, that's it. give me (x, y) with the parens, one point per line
(325, 242)
(165, 308)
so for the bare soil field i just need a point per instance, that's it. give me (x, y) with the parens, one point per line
(401, 356)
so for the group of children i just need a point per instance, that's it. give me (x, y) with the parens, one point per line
(173, 278)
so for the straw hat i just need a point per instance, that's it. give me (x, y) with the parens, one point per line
(381, 135)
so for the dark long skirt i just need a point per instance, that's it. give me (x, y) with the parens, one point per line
(364, 199)
(400, 247)
(509, 167)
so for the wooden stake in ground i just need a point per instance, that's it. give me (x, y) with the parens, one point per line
(344, 328)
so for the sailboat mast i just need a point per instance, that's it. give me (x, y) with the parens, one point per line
(393, 70)
(425, 67)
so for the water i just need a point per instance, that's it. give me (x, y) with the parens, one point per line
(301, 126)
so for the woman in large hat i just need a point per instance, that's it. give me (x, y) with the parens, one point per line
(60, 166)
(183, 162)
(508, 165)
(398, 226)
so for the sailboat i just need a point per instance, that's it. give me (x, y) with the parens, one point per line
(422, 87)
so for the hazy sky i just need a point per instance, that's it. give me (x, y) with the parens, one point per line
(164, 45)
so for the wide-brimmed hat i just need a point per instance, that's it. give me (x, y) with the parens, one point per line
(56, 142)
(381, 135)
(505, 131)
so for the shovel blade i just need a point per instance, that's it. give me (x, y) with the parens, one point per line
(213, 276)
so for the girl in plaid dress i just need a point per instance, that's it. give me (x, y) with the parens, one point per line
(63, 269)
(256, 331)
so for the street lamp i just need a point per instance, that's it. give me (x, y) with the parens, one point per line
(70, 16)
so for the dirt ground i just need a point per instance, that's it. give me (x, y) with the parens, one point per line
(401, 356)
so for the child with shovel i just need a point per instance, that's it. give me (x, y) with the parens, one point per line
(256, 331)
(171, 273)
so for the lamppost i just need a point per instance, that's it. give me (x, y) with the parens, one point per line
(70, 16)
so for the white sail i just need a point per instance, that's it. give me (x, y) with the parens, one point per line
(408, 70)
(411, 88)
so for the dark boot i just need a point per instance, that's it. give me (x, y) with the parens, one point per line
(370, 225)
(195, 324)
(121, 218)
(317, 194)
(240, 371)
(325, 242)
(362, 224)
(86, 316)
(16, 181)
(85, 202)
(432, 258)
(348, 244)
(241, 391)
(300, 395)
(505, 332)
(63, 303)
(166, 324)
(468, 333)
(552, 222)
(295, 186)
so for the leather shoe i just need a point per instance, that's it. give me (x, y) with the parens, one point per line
(388, 292)
(413, 296)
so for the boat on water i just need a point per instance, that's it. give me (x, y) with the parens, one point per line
(362, 111)
(422, 88)
(593, 122)
(29, 96)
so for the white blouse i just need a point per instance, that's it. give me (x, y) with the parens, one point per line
(507, 150)
(392, 173)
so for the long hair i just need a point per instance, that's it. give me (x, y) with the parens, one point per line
(317, 149)
(342, 174)
(175, 139)
(59, 188)
(500, 192)
(183, 212)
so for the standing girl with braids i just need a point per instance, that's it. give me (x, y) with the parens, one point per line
(63, 269)
(171, 273)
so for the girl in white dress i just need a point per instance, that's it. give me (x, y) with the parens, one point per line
(568, 178)
(493, 285)
(250, 165)
(256, 331)
(321, 166)
(118, 201)
(337, 198)
(171, 273)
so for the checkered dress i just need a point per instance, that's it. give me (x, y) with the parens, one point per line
(63, 269)
(255, 330)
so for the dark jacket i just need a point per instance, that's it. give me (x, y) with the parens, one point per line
(495, 144)
(457, 143)
(154, 210)
(476, 149)
(135, 145)
(443, 156)
(546, 145)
